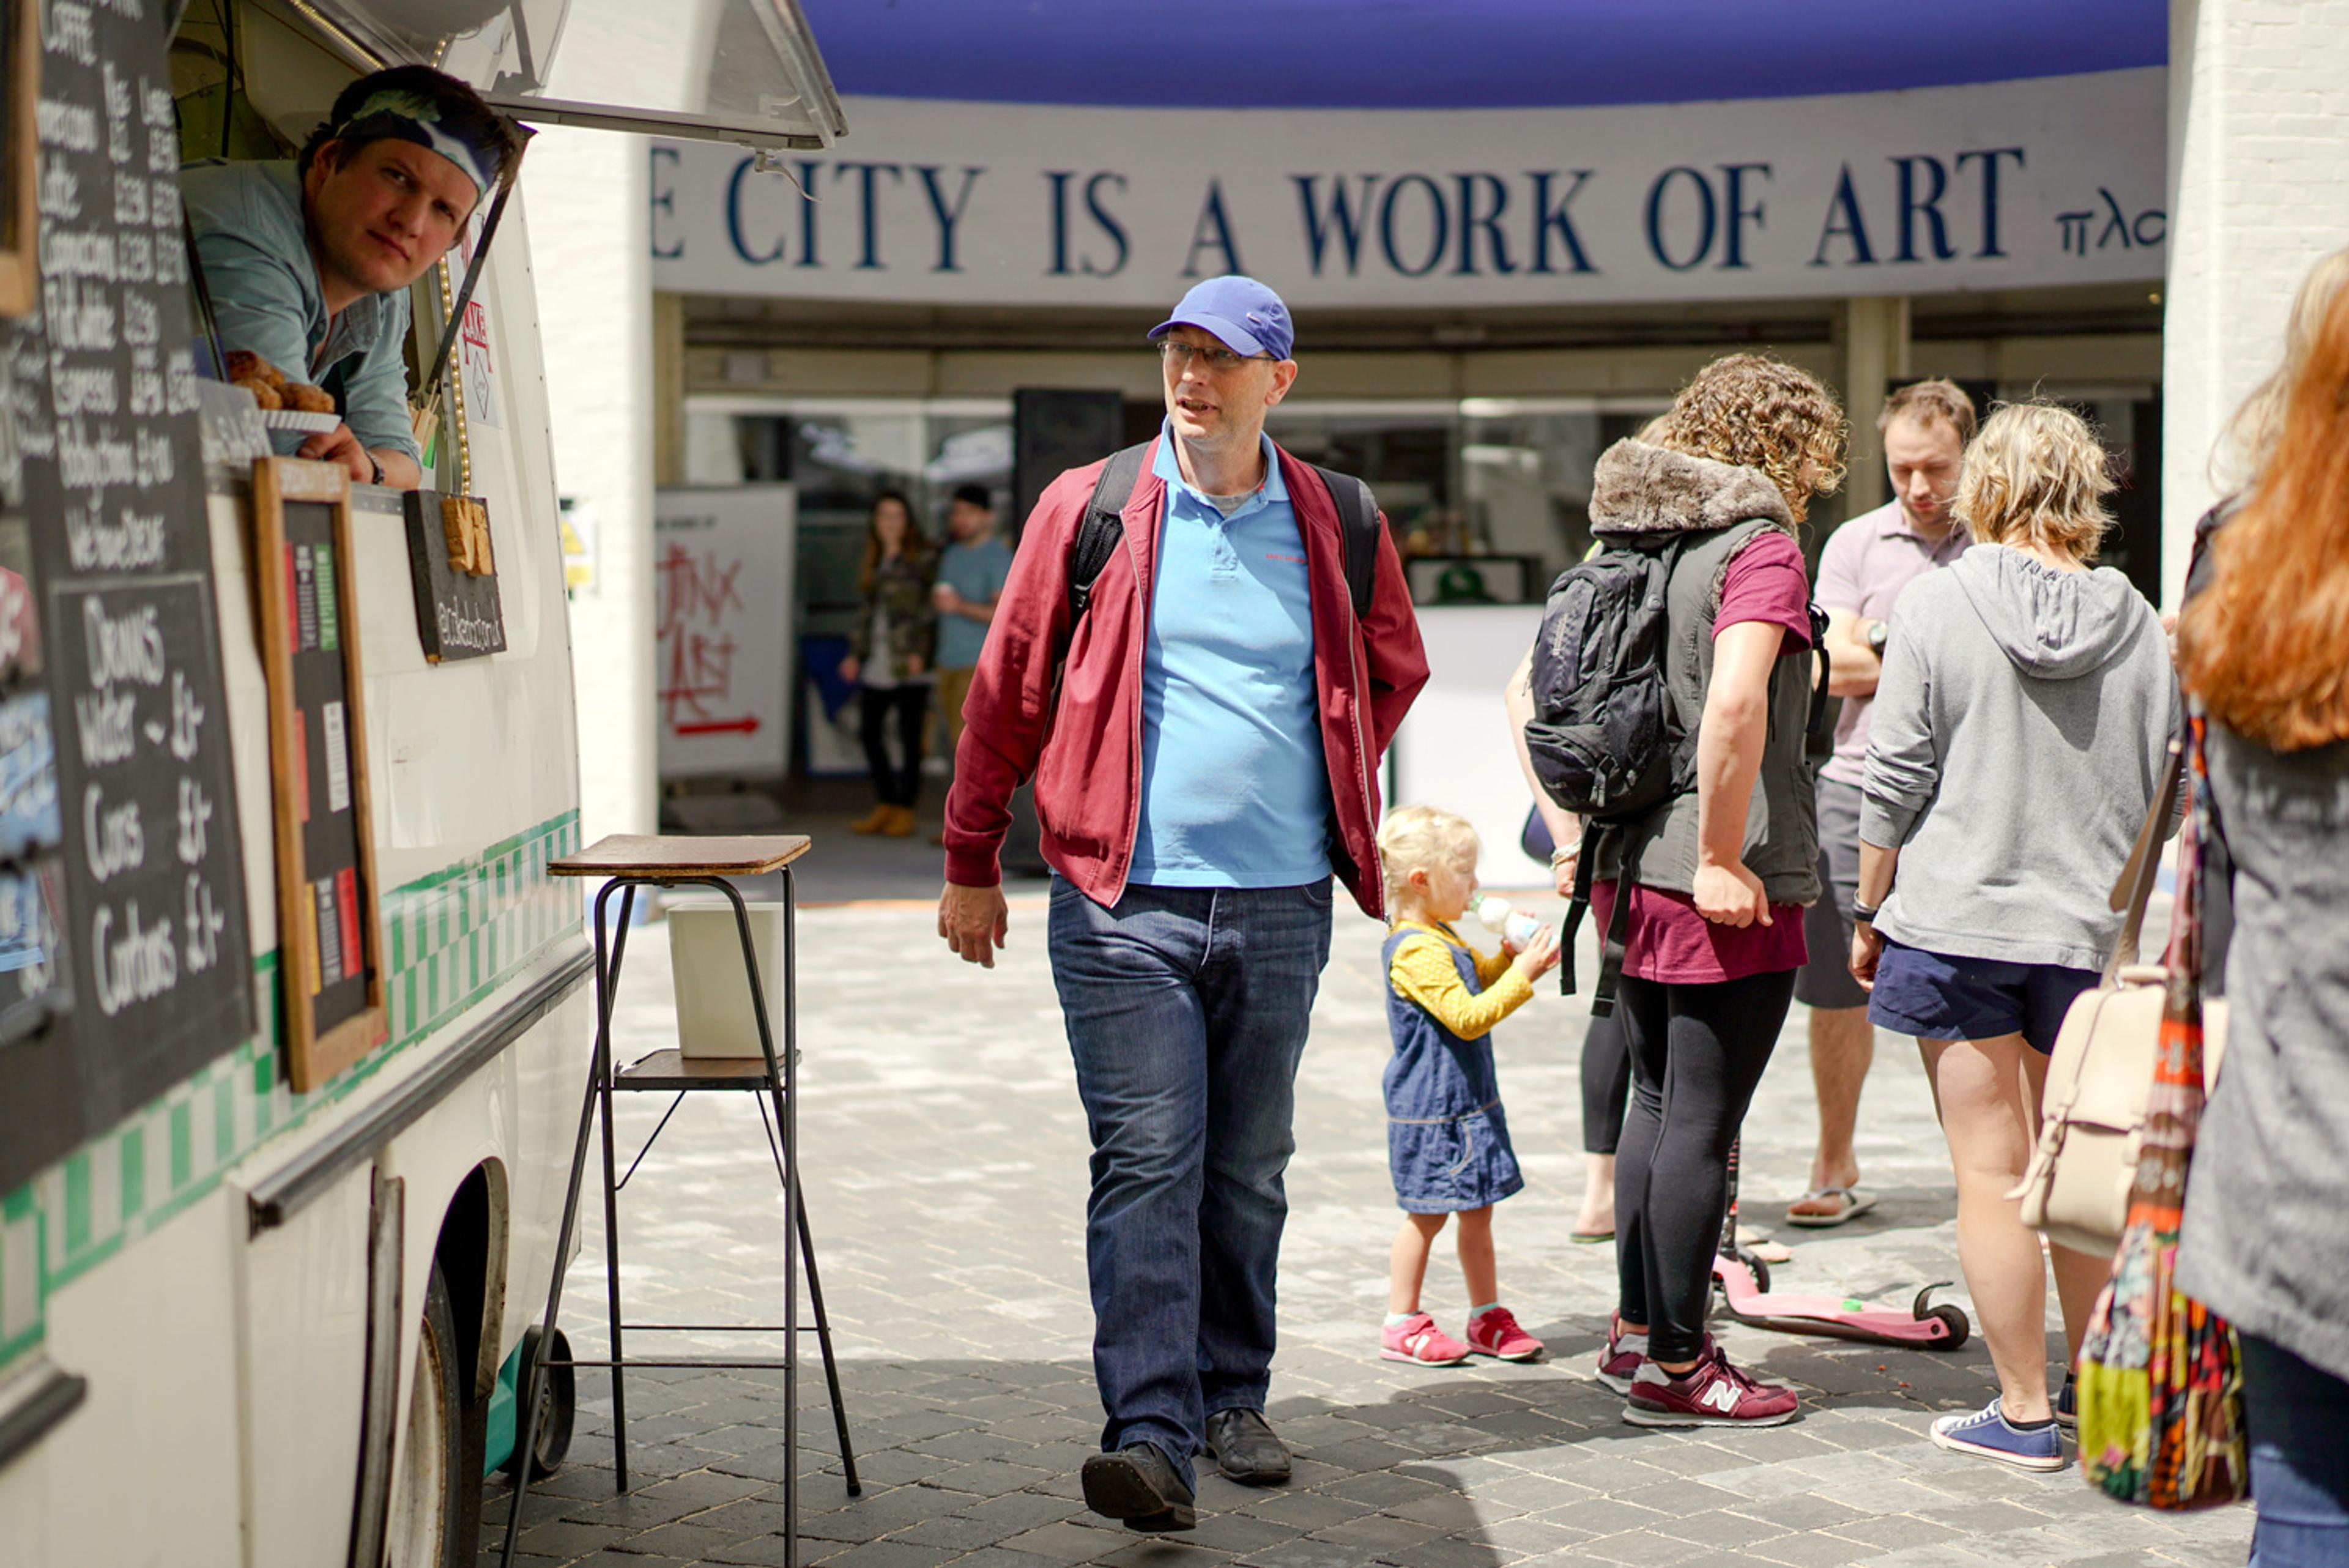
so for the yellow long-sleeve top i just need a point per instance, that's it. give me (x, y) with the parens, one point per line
(1424, 972)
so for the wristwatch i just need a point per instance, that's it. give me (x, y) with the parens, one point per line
(1864, 914)
(1878, 634)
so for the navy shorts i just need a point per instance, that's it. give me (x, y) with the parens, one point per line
(1940, 996)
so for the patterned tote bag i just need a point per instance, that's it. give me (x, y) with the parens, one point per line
(2161, 1405)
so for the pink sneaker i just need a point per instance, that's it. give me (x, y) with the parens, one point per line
(1624, 1356)
(1495, 1333)
(1417, 1338)
(1711, 1394)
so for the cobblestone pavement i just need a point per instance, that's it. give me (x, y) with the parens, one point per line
(945, 1177)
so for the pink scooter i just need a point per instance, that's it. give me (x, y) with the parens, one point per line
(1743, 1282)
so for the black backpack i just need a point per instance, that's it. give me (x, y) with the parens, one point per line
(1104, 529)
(1604, 739)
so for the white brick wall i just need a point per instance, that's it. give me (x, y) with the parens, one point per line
(585, 192)
(2260, 190)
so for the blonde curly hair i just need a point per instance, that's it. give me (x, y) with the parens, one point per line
(2036, 475)
(1758, 412)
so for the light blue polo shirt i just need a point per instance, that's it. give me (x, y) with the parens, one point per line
(1235, 786)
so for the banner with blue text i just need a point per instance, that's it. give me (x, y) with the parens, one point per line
(2013, 184)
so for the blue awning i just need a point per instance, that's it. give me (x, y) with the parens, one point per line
(1463, 54)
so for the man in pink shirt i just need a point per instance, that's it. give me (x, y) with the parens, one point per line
(1864, 566)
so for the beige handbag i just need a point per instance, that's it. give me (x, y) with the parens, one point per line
(2092, 1116)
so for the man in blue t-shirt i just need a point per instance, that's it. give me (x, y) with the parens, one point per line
(971, 571)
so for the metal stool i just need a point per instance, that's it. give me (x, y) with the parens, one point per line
(631, 861)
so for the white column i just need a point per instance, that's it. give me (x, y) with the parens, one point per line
(587, 194)
(2259, 151)
(1873, 334)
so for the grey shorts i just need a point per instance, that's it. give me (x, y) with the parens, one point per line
(1826, 981)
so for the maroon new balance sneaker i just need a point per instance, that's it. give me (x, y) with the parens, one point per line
(1624, 1356)
(1711, 1394)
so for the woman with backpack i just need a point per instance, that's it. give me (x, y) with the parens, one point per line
(1715, 876)
(2021, 730)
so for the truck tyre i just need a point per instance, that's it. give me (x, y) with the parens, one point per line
(558, 1407)
(428, 1496)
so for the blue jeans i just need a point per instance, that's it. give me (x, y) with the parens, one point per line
(1186, 1011)
(2299, 1421)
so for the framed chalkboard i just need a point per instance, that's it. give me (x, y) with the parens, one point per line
(329, 936)
(455, 571)
(20, 91)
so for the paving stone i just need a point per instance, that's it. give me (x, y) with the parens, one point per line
(1643, 1548)
(890, 1554)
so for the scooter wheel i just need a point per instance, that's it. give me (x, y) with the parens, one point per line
(1960, 1327)
(1746, 1256)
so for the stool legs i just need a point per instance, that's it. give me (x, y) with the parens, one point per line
(599, 1078)
(823, 1318)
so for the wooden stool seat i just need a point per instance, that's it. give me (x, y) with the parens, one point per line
(671, 1069)
(657, 857)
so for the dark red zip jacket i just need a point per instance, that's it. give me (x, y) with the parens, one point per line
(1084, 748)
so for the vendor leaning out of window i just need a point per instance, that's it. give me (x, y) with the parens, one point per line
(309, 261)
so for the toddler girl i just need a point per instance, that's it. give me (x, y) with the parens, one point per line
(1447, 1139)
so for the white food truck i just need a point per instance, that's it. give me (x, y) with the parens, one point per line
(240, 1323)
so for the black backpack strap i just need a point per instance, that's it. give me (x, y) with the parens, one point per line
(1104, 529)
(1358, 527)
(1817, 728)
(1614, 942)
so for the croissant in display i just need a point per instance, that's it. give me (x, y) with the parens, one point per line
(270, 388)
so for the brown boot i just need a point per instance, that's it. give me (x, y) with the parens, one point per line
(877, 820)
(900, 824)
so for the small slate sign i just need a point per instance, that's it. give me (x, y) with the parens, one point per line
(458, 613)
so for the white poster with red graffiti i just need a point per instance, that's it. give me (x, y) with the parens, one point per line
(723, 608)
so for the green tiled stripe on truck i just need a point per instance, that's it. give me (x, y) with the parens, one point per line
(451, 938)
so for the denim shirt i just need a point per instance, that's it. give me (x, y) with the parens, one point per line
(254, 245)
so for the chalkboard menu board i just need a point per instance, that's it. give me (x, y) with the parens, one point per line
(330, 938)
(145, 889)
(458, 612)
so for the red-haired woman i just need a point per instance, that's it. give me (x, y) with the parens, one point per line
(2264, 649)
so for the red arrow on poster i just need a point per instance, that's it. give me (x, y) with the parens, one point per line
(746, 725)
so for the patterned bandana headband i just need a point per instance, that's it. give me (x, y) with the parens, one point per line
(413, 118)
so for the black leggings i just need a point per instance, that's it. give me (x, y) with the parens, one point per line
(1697, 1054)
(1606, 1086)
(894, 785)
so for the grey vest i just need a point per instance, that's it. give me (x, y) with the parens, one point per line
(1782, 833)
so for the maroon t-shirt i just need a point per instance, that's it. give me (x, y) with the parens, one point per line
(1666, 940)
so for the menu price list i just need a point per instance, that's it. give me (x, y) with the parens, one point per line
(145, 886)
(336, 961)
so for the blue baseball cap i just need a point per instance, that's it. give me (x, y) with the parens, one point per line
(1239, 310)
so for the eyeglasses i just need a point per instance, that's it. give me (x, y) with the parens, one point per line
(1178, 355)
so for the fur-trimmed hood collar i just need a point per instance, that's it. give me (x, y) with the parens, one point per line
(1640, 490)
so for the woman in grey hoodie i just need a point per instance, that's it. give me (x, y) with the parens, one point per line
(2020, 730)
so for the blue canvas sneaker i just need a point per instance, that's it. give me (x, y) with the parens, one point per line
(2067, 1404)
(1987, 1435)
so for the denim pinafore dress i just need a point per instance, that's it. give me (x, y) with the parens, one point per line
(1447, 1137)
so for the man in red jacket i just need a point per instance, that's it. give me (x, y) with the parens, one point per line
(1205, 740)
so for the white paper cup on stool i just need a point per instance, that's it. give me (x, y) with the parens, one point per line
(713, 998)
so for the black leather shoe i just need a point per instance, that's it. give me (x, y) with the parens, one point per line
(1246, 1448)
(1139, 1486)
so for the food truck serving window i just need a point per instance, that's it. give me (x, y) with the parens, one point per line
(730, 71)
